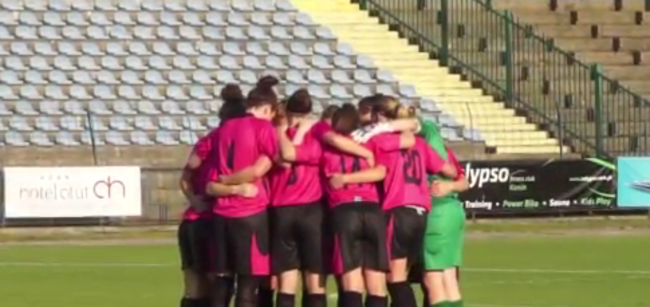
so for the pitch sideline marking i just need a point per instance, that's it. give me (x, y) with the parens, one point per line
(480, 270)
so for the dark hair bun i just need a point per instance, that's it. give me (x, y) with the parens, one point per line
(267, 82)
(232, 92)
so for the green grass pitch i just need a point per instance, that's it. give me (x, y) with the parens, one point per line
(580, 270)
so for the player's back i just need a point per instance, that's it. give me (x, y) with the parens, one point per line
(238, 144)
(335, 161)
(299, 183)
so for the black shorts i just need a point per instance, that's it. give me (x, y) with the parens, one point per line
(194, 243)
(242, 244)
(359, 234)
(298, 238)
(406, 227)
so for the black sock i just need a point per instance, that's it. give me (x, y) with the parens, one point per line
(223, 289)
(190, 302)
(316, 300)
(285, 300)
(247, 291)
(205, 302)
(265, 297)
(376, 301)
(339, 289)
(351, 299)
(305, 299)
(401, 294)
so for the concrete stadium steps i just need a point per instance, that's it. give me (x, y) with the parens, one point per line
(499, 126)
(159, 157)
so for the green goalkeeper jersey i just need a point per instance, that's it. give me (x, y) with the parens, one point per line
(430, 132)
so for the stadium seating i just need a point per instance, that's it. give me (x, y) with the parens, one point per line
(149, 73)
(613, 34)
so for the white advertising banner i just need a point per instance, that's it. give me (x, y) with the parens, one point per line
(59, 192)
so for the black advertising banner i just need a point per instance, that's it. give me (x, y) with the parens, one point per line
(530, 185)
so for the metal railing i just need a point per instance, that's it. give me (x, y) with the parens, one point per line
(572, 100)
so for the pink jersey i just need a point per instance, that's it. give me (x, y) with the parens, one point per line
(406, 178)
(238, 144)
(336, 162)
(319, 129)
(198, 179)
(300, 183)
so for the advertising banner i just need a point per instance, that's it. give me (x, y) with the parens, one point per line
(65, 192)
(633, 182)
(531, 185)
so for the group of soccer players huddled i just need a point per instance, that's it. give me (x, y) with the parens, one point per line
(279, 199)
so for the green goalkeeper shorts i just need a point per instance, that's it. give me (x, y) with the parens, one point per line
(443, 239)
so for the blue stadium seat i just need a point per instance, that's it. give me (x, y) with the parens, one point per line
(139, 48)
(39, 138)
(255, 49)
(283, 19)
(182, 62)
(15, 63)
(53, 19)
(49, 107)
(172, 108)
(197, 5)
(92, 138)
(176, 93)
(103, 92)
(28, 18)
(242, 5)
(19, 123)
(124, 108)
(146, 18)
(154, 77)
(98, 107)
(158, 62)
(39, 63)
(7, 93)
(165, 138)
(76, 18)
(284, 5)
(340, 76)
(4, 33)
(14, 138)
(30, 92)
(135, 63)
(213, 121)
(162, 48)
(4, 110)
(99, 19)
(68, 48)
(317, 77)
(25, 108)
(188, 32)
(84, 62)
(280, 33)
(79, 92)
(339, 92)
(152, 93)
(196, 108)
(59, 77)
(261, 19)
(178, 77)
(55, 92)
(71, 123)
(68, 32)
(304, 19)
(152, 5)
(192, 19)
(123, 18)
(20, 48)
(174, 6)
(295, 76)
(168, 123)
(202, 77)
(116, 138)
(10, 77)
(208, 48)
(140, 138)
(321, 62)
(188, 137)
(297, 62)
(44, 48)
(302, 32)
(237, 19)
(147, 107)
(363, 76)
(186, 48)
(7, 18)
(27, 32)
(59, 5)
(275, 62)
(120, 123)
(45, 123)
(65, 138)
(95, 124)
(73, 107)
(128, 92)
(264, 5)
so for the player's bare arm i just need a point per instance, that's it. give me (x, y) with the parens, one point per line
(249, 174)
(349, 146)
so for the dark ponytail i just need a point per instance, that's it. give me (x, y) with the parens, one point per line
(233, 102)
(263, 93)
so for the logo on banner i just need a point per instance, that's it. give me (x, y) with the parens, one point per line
(63, 188)
(51, 192)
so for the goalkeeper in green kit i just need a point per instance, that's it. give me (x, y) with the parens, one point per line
(443, 239)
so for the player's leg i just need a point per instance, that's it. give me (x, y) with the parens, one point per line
(284, 253)
(375, 260)
(223, 283)
(249, 237)
(441, 250)
(266, 291)
(195, 293)
(346, 225)
(312, 242)
(405, 234)
(450, 275)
